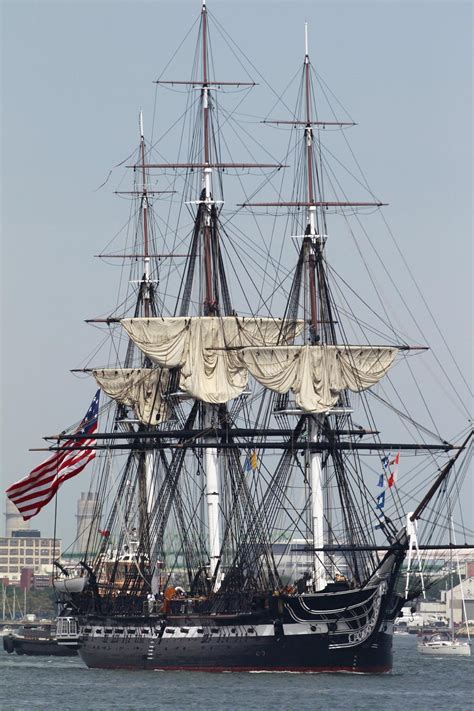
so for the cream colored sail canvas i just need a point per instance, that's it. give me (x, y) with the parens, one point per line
(208, 350)
(138, 388)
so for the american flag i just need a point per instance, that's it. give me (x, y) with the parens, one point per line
(34, 491)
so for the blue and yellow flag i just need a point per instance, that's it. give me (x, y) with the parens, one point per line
(253, 460)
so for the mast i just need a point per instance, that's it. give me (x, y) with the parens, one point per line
(317, 505)
(318, 321)
(209, 299)
(144, 208)
(451, 591)
(458, 570)
(149, 455)
(311, 209)
(314, 422)
(211, 459)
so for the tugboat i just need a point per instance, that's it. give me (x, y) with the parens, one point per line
(37, 639)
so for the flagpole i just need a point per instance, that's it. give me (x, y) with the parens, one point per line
(55, 521)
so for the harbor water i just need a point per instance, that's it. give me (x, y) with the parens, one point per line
(64, 683)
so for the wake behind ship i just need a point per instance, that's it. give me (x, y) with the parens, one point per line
(236, 528)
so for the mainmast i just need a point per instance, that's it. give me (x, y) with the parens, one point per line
(311, 243)
(210, 299)
(311, 209)
(213, 297)
(211, 458)
(311, 231)
(149, 455)
(144, 210)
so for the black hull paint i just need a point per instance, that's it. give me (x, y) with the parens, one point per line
(298, 653)
(340, 630)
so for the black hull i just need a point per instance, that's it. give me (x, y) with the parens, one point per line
(332, 631)
(299, 653)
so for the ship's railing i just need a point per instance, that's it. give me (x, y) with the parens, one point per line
(67, 631)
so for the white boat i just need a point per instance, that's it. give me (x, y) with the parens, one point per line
(443, 644)
(70, 585)
(70, 580)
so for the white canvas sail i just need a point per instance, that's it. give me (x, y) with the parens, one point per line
(316, 375)
(138, 388)
(208, 349)
(216, 355)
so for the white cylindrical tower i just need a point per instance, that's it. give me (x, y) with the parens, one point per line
(88, 517)
(13, 519)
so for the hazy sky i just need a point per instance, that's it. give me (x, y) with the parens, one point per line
(75, 74)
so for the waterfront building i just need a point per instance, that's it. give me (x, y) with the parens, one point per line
(461, 612)
(36, 553)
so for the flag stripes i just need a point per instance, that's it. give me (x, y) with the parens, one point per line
(37, 489)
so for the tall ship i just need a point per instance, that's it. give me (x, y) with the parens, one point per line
(249, 513)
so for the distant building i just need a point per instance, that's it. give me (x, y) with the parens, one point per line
(431, 611)
(42, 581)
(35, 553)
(29, 579)
(13, 519)
(26, 578)
(88, 518)
(465, 589)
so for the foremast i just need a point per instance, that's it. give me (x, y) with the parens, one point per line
(146, 306)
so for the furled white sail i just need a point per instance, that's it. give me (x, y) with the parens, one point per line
(138, 388)
(318, 374)
(216, 355)
(208, 349)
